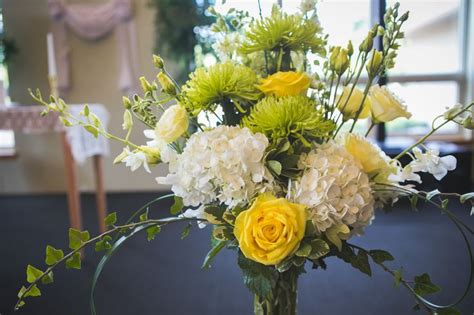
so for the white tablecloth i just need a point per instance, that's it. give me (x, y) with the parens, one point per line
(27, 119)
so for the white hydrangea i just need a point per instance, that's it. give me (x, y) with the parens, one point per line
(334, 188)
(223, 164)
(227, 45)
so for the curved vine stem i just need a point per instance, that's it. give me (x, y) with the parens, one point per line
(115, 229)
(459, 225)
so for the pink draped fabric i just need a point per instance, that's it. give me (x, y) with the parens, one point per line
(93, 22)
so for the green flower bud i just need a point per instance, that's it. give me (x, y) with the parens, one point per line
(367, 44)
(127, 120)
(146, 86)
(126, 102)
(350, 48)
(158, 62)
(405, 16)
(374, 64)
(166, 84)
(339, 60)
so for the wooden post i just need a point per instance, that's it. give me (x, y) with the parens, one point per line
(100, 197)
(73, 197)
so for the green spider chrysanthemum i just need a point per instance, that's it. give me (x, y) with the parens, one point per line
(284, 31)
(226, 84)
(289, 117)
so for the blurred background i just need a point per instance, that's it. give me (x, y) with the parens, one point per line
(434, 70)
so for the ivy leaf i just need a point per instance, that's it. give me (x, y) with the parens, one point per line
(177, 205)
(111, 219)
(53, 255)
(77, 238)
(444, 203)
(103, 244)
(424, 286)
(319, 248)
(34, 291)
(33, 273)
(186, 230)
(397, 276)
(48, 278)
(212, 253)
(361, 262)
(74, 262)
(448, 311)
(144, 216)
(380, 256)
(152, 231)
(258, 278)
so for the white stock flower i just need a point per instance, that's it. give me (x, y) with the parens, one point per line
(335, 188)
(432, 163)
(308, 6)
(223, 164)
(135, 159)
(227, 45)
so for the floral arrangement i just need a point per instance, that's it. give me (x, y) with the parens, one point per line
(262, 147)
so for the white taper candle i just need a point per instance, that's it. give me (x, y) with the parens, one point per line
(52, 72)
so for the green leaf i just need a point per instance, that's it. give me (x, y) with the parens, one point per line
(414, 202)
(48, 278)
(336, 233)
(258, 278)
(397, 276)
(144, 216)
(466, 197)
(77, 238)
(65, 122)
(431, 194)
(92, 130)
(319, 248)
(34, 291)
(152, 231)
(186, 230)
(177, 205)
(53, 255)
(423, 285)
(85, 110)
(380, 256)
(111, 219)
(448, 311)
(103, 244)
(304, 250)
(274, 166)
(284, 265)
(32, 274)
(361, 262)
(444, 203)
(74, 262)
(212, 253)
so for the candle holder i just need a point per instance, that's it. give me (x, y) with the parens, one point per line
(53, 85)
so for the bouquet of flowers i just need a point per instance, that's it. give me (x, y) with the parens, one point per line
(262, 148)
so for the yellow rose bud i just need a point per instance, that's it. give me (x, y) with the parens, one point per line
(373, 160)
(385, 105)
(285, 84)
(374, 64)
(172, 124)
(349, 108)
(339, 60)
(271, 229)
(166, 84)
(152, 154)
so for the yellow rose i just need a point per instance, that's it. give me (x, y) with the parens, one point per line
(373, 160)
(172, 124)
(271, 229)
(285, 84)
(385, 105)
(350, 109)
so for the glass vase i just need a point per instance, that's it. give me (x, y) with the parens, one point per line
(283, 298)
